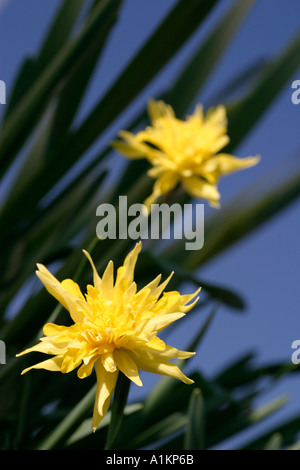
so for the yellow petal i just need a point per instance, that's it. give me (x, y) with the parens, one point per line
(134, 147)
(217, 117)
(72, 306)
(129, 150)
(97, 279)
(198, 115)
(60, 333)
(108, 362)
(73, 288)
(127, 365)
(159, 322)
(53, 364)
(55, 288)
(86, 369)
(164, 183)
(170, 302)
(72, 358)
(155, 364)
(228, 164)
(160, 288)
(174, 353)
(158, 109)
(198, 188)
(106, 383)
(49, 282)
(50, 329)
(107, 282)
(125, 273)
(156, 343)
(44, 347)
(185, 299)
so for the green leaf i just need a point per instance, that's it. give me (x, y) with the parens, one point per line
(289, 431)
(55, 129)
(17, 128)
(243, 372)
(274, 443)
(194, 436)
(117, 409)
(59, 32)
(57, 36)
(51, 231)
(243, 115)
(243, 80)
(199, 68)
(162, 429)
(23, 81)
(68, 425)
(179, 25)
(295, 446)
(238, 421)
(84, 430)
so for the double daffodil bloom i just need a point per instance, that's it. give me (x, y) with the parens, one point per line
(184, 152)
(115, 329)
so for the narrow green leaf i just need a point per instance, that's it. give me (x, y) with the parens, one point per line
(179, 25)
(52, 231)
(59, 32)
(242, 374)
(238, 416)
(274, 443)
(77, 81)
(158, 431)
(266, 410)
(243, 80)
(23, 82)
(84, 430)
(244, 115)
(117, 410)
(295, 446)
(194, 436)
(39, 163)
(289, 431)
(68, 425)
(199, 68)
(16, 129)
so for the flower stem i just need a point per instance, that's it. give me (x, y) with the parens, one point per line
(117, 409)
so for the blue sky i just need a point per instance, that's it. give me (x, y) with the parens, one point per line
(263, 268)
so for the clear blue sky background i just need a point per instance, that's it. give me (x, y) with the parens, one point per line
(264, 268)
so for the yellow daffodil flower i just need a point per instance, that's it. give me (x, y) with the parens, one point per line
(184, 152)
(115, 329)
